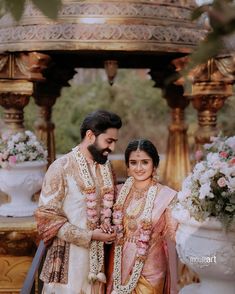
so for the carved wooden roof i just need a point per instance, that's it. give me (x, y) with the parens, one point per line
(157, 26)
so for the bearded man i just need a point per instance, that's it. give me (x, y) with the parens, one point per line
(74, 213)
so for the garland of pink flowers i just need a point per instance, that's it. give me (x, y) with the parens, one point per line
(93, 221)
(143, 240)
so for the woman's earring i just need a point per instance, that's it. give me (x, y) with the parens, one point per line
(155, 176)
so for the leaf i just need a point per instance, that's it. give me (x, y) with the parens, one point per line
(199, 11)
(15, 7)
(48, 7)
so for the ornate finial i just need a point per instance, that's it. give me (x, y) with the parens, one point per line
(111, 67)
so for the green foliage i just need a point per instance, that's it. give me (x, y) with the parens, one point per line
(221, 15)
(140, 106)
(49, 8)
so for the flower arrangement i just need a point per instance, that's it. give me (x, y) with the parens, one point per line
(209, 191)
(20, 147)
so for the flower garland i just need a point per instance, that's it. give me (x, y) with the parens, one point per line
(143, 240)
(97, 247)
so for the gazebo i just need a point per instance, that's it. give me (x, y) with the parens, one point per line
(38, 57)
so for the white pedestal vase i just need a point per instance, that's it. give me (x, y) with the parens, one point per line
(20, 182)
(210, 252)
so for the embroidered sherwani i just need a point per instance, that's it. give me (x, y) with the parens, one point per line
(155, 276)
(62, 223)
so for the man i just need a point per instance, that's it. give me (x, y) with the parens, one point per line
(74, 214)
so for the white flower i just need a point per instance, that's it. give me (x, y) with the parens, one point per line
(211, 186)
(23, 145)
(182, 195)
(204, 191)
(20, 147)
(231, 142)
(231, 183)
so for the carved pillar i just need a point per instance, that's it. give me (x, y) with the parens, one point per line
(43, 125)
(177, 164)
(14, 96)
(212, 85)
(45, 95)
(17, 71)
(207, 107)
(177, 158)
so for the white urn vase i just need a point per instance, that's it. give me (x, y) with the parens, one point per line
(210, 252)
(20, 182)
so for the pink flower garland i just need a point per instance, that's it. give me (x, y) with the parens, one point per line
(144, 236)
(106, 212)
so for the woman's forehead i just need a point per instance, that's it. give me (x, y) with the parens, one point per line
(139, 154)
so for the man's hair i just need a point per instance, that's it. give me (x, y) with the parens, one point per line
(99, 121)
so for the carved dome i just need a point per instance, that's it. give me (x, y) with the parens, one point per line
(159, 26)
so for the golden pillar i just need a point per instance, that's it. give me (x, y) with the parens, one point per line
(177, 157)
(212, 85)
(14, 96)
(177, 163)
(17, 73)
(45, 95)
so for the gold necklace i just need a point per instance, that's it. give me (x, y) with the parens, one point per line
(131, 218)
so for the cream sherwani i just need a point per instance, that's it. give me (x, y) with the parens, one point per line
(62, 217)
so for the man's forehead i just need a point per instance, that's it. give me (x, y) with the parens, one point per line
(111, 133)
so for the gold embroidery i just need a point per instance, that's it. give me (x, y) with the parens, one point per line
(55, 268)
(53, 182)
(75, 235)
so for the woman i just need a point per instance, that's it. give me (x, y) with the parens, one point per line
(143, 223)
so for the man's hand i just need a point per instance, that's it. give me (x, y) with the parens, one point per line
(99, 235)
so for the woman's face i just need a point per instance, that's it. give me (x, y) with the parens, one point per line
(140, 165)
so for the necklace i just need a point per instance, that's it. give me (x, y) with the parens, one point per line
(142, 242)
(138, 193)
(93, 221)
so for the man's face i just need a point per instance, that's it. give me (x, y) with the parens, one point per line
(103, 145)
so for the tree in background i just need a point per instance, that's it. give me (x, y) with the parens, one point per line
(143, 110)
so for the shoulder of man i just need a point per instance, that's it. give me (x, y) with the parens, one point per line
(61, 161)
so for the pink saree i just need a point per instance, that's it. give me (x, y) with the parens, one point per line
(155, 276)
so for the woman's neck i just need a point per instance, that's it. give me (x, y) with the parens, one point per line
(142, 184)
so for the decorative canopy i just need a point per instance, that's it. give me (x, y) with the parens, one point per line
(130, 31)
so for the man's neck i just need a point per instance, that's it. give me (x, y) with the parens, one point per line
(83, 148)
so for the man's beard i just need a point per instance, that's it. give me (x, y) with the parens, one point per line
(97, 153)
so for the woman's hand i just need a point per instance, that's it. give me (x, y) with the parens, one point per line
(99, 235)
(106, 228)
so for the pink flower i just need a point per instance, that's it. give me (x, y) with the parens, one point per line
(12, 159)
(232, 161)
(91, 212)
(108, 203)
(91, 197)
(94, 219)
(198, 155)
(222, 182)
(107, 212)
(117, 214)
(141, 251)
(223, 154)
(142, 245)
(117, 221)
(108, 196)
(91, 204)
(146, 232)
(144, 238)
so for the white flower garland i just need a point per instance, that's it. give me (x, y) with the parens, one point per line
(97, 247)
(143, 240)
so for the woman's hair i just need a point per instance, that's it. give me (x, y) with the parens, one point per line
(99, 121)
(142, 145)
